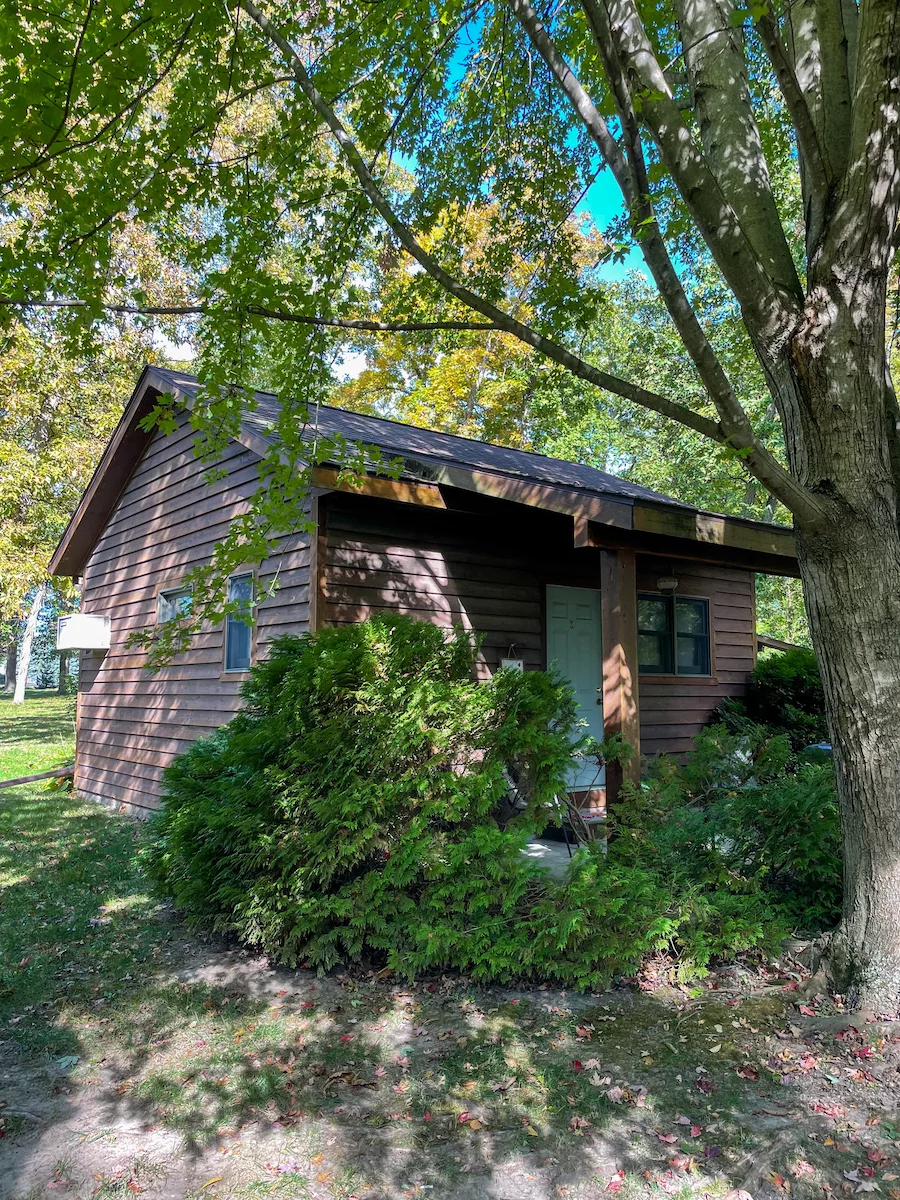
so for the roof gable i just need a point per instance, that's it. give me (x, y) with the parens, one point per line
(428, 456)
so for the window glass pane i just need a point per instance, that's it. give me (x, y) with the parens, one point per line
(174, 603)
(651, 656)
(240, 587)
(238, 634)
(692, 625)
(653, 613)
(693, 655)
(237, 645)
(690, 616)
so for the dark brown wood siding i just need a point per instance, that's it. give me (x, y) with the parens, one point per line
(485, 572)
(674, 709)
(486, 569)
(490, 573)
(132, 723)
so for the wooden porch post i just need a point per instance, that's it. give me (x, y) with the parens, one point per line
(618, 600)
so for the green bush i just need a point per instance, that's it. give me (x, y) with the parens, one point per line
(352, 808)
(785, 696)
(740, 828)
(357, 809)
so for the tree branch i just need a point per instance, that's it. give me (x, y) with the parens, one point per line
(837, 96)
(717, 71)
(769, 309)
(254, 310)
(859, 243)
(46, 156)
(407, 239)
(631, 177)
(813, 164)
(82, 34)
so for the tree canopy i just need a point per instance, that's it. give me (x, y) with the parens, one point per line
(277, 156)
(57, 411)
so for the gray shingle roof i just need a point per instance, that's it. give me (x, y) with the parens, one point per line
(398, 440)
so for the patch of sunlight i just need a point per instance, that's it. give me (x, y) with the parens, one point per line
(8, 881)
(119, 903)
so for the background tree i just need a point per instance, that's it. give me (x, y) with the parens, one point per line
(492, 386)
(58, 408)
(759, 145)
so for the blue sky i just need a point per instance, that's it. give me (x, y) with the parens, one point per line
(603, 203)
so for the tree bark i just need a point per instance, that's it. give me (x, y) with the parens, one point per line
(851, 585)
(63, 672)
(839, 441)
(27, 642)
(12, 654)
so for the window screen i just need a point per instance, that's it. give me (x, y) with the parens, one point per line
(673, 635)
(238, 632)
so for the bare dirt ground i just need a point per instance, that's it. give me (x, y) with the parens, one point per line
(355, 1087)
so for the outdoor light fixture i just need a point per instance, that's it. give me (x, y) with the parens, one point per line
(667, 583)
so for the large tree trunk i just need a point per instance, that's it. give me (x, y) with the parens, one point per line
(839, 441)
(27, 642)
(852, 590)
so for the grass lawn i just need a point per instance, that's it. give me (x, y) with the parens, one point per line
(138, 1058)
(37, 735)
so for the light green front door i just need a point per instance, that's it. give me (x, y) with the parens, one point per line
(573, 643)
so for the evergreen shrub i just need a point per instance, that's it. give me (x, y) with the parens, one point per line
(785, 696)
(352, 807)
(357, 810)
(747, 829)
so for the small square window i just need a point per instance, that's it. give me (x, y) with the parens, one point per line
(673, 635)
(238, 631)
(175, 602)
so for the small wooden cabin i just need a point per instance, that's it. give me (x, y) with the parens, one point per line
(648, 604)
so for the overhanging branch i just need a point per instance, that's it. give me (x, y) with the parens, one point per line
(631, 176)
(407, 239)
(503, 323)
(255, 310)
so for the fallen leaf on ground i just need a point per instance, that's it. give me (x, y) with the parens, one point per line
(778, 1181)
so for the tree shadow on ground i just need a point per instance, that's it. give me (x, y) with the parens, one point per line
(130, 1041)
(41, 726)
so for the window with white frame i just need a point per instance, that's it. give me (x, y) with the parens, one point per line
(172, 603)
(238, 631)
